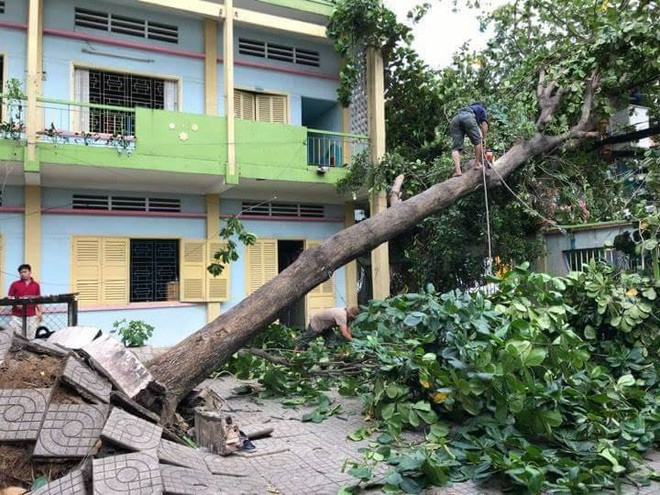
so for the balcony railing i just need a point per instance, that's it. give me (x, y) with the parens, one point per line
(88, 124)
(576, 258)
(333, 149)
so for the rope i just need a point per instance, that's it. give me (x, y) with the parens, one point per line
(489, 265)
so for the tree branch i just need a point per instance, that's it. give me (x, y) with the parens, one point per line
(395, 193)
(549, 97)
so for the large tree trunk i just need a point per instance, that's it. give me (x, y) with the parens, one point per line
(190, 362)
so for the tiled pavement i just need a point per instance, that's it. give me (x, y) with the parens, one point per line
(307, 458)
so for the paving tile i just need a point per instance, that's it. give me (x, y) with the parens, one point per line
(137, 473)
(186, 481)
(6, 337)
(71, 430)
(71, 484)
(88, 383)
(254, 485)
(74, 337)
(21, 413)
(131, 432)
(228, 465)
(180, 455)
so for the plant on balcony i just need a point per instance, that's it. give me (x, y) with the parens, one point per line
(55, 136)
(123, 143)
(14, 125)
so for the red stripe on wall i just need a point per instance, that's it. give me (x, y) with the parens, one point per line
(117, 213)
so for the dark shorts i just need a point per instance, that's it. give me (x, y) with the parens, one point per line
(310, 334)
(464, 124)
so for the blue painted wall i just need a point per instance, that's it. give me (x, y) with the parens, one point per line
(13, 41)
(11, 230)
(61, 54)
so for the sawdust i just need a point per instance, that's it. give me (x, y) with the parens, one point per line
(18, 469)
(23, 369)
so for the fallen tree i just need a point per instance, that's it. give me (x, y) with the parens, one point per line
(189, 362)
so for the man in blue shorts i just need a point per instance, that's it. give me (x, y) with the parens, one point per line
(472, 122)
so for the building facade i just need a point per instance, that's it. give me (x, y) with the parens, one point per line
(132, 128)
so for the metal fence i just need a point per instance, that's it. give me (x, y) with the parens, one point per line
(328, 149)
(58, 311)
(576, 258)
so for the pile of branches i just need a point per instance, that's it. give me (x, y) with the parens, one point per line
(551, 383)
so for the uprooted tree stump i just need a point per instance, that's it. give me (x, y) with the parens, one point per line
(216, 431)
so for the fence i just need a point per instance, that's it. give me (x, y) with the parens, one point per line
(576, 258)
(58, 311)
(333, 149)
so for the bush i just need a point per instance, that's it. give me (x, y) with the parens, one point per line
(134, 333)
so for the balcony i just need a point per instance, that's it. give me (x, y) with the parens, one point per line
(75, 133)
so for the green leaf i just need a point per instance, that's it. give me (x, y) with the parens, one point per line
(535, 357)
(392, 390)
(626, 381)
(409, 485)
(360, 472)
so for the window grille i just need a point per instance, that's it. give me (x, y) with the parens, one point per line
(2, 6)
(131, 26)
(577, 258)
(282, 53)
(125, 203)
(154, 269)
(283, 210)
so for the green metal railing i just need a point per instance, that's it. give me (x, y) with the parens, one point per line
(333, 149)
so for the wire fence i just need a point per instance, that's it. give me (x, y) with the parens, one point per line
(57, 312)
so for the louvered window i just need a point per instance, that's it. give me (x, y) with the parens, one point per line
(2, 6)
(282, 210)
(131, 26)
(260, 107)
(125, 203)
(282, 53)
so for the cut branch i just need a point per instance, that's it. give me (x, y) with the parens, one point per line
(395, 193)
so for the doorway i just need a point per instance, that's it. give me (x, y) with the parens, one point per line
(288, 252)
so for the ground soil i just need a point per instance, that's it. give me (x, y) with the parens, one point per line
(18, 469)
(24, 369)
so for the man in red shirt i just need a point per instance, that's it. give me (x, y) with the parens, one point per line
(25, 287)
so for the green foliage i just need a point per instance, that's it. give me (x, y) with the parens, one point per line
(14, 98)
(233, 228)
(134, 333)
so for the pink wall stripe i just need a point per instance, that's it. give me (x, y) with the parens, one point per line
(153, 305)
(260, 218)
(13, 25)
(12, 209)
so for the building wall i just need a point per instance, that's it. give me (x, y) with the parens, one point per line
(12, 233)
(12, 40)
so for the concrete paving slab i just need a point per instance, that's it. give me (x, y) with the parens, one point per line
(180, 455)
(43, 347)
(179, 480)
(137, 473)
(231, 465)
(74, 337)
(119, 364)
(87, 382)
(131, 432)
(71, 484)
(21, 413)
(71, 431)
(6, 338)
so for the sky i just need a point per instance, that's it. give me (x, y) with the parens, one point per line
(442, 31)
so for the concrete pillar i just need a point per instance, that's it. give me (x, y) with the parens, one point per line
(212, 228)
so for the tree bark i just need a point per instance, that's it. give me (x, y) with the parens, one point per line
(191, 361)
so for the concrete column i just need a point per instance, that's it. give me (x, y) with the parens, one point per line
(34, 68)
(228, 57)
(380, 259)
(32, 225)
(212, 228)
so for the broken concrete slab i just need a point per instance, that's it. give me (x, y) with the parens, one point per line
(88, 383)
(180, 455)
(119, 364)
(72, 484)
(186, 481)
(227, 465)
(74, 337)
(43, 347)
(21, 413)
(131, 432)
(71, 430)
(137, 473)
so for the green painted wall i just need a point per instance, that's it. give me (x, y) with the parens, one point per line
(12, 150)
(181, 135)
(322, 7)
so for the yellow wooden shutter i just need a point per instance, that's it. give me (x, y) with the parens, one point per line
(321, 296)
(86, 269)
(272, 108)
(114, 270)
(244, 105)
(261, 261)
(193, 270)
(217, 287)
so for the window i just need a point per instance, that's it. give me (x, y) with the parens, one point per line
(260, 107)
(2, 6)
(282, 210)
(119, 90)
(131, 26)
(154, 270)
(109, 271)
(282, 53)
